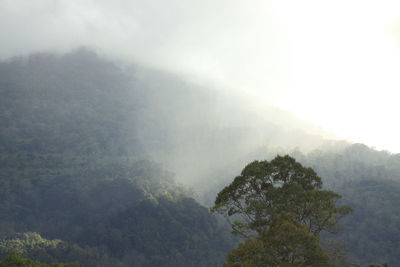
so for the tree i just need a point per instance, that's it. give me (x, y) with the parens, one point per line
(286, 243)
(265, 189)
(283, 191)
(14, 259)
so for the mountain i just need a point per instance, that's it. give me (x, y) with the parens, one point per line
(369, 181)
(136, 111)
(100, 163)
(72, 169)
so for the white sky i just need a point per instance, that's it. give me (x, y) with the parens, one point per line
(346, 67)
(335, 63)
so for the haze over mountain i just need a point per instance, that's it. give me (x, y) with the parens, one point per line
(121, 121)
(338, 73)
(192, 129)
(79, 145)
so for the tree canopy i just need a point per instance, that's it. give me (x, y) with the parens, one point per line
(283, 191)
(14, 259)
(286, 243)
(265, 189)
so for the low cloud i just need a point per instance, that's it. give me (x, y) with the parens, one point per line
(231, 43)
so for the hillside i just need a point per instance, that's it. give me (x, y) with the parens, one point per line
(72, 170)
(96, 161)
(369, 181)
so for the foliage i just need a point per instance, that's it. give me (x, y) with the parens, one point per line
(282, 203)
(14, 259)
(72, 169)
(265, 189)
(371, 265)
(115, 210)
(286, 243)
(369, 181)
(74, 130)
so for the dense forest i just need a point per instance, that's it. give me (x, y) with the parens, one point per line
(106, 166)
(74, 184)
(369, 181)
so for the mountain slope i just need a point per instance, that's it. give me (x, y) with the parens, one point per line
(82, 103)
(79, 137)
(369, 181)
(72, 168)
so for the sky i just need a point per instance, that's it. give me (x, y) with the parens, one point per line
(334, 63)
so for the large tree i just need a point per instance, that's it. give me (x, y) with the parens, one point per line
(286, 243)
(280, 190)
(265, 189)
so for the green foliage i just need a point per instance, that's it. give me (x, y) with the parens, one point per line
(75, 128)
(369, 181)
(73, 169)
(287, 242)
(115, 210)
(371, 265)
(265, 189)
(14, 259)
(282, 204)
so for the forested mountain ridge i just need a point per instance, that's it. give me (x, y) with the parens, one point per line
(369, 181)
(79, 141)
(71, 169)
(79, 102)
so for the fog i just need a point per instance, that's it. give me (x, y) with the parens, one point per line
(332, 63)
(231, 43)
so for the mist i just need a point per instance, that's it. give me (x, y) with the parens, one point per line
(220, 56)
(121, 121)
(81, 101)
(328, 63)
(228, 43)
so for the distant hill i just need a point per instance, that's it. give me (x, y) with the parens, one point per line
(79, 102)
(72, 169)
(369, 181)
(98, 157)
